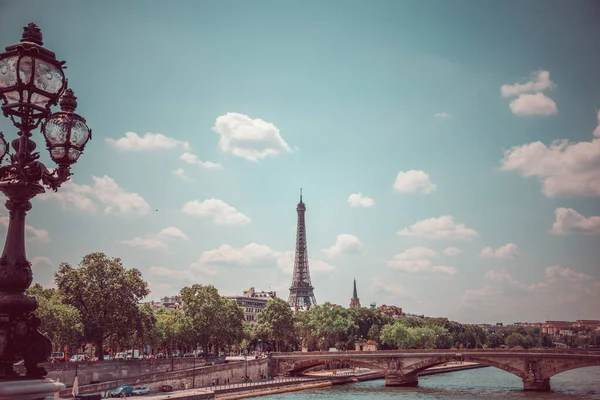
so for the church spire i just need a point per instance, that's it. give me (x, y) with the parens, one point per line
(354, 301)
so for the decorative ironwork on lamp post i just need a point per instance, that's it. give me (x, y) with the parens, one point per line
(31, 81)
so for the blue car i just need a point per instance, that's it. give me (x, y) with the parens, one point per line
(118, 392)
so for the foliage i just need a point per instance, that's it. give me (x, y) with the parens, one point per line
(327, 326)
(106, 295)
(405, 334)
(494, 341)
(516, 339)
(276, 323)
(60, 322)
(216, 321)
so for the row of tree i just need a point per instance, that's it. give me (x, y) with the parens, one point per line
(99, 302)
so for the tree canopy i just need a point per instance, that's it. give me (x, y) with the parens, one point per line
(105, 293)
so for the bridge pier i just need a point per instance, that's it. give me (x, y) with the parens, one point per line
(533, 385)
(399, 380)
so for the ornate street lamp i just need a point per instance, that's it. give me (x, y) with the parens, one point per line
(31, 82)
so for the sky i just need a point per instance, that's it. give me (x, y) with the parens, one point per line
(448, 152)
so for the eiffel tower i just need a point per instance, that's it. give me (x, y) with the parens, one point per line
(301, 292)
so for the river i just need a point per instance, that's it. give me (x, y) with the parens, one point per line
(477, 384)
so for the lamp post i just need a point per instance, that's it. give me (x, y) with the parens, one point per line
(31, 81)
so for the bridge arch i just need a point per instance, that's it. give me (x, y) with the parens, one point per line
(415, 369)
(303, 366)
(568, 366)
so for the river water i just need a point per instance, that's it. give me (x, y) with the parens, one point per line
(477, 384)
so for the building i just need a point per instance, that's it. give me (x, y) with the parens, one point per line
(252, 302)
(591, 324)
(354, 301)
(174, 302)
(391, 311)
(556, 327)
(369, 345)
(302, 295)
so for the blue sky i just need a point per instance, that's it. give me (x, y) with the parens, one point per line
(448, 151)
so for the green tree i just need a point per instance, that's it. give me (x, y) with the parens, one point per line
(494, 341)
(105, 293)
(547, 341)
(516, 339)
(331, 326)
(276, 323)
(216, 320)
(232, 324)
(60, 322)
(396, 335)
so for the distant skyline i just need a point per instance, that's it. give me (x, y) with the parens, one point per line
(449, 152)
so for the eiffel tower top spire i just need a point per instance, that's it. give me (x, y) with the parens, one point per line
(301, 292)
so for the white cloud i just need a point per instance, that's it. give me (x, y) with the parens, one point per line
(194, 160)
(248, 255)
(117, 200)
(505, 252)
(569, 221)
(561, 293)
(147, 243)
(597, 130)
(540, 82)
(160, 289)
(252, 139)
(171, 274)
(533, 104)
(413, 181)
(360, 200)
(32, 234)
(180, 172)
(451, 251)
(443, 227)
(344, 244)
(221, 212)
(43, 271)
(38, 262)
(150, 141)
(252, 255)
(442, 269)
(319, 266)
(172, 233)
(416, 253)
(71, 195)
(530, 100)
(106, 190)
(564, 168)
(443, 115)
(557, 272)
(418, 259)
(158, 241)
(385, 287)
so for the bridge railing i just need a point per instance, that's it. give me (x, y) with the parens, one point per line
(440, 351)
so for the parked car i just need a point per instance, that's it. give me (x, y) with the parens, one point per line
(139, 391)
(118, 392)
(107, 357)
(165, 388)
(78, 357)
(58, 356)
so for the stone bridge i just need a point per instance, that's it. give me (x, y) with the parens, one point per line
(402, 367)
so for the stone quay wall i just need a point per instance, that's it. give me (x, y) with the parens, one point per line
(101, 371)
(201, 377)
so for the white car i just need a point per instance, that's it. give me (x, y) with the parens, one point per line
(138, 391)
(77, 358)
